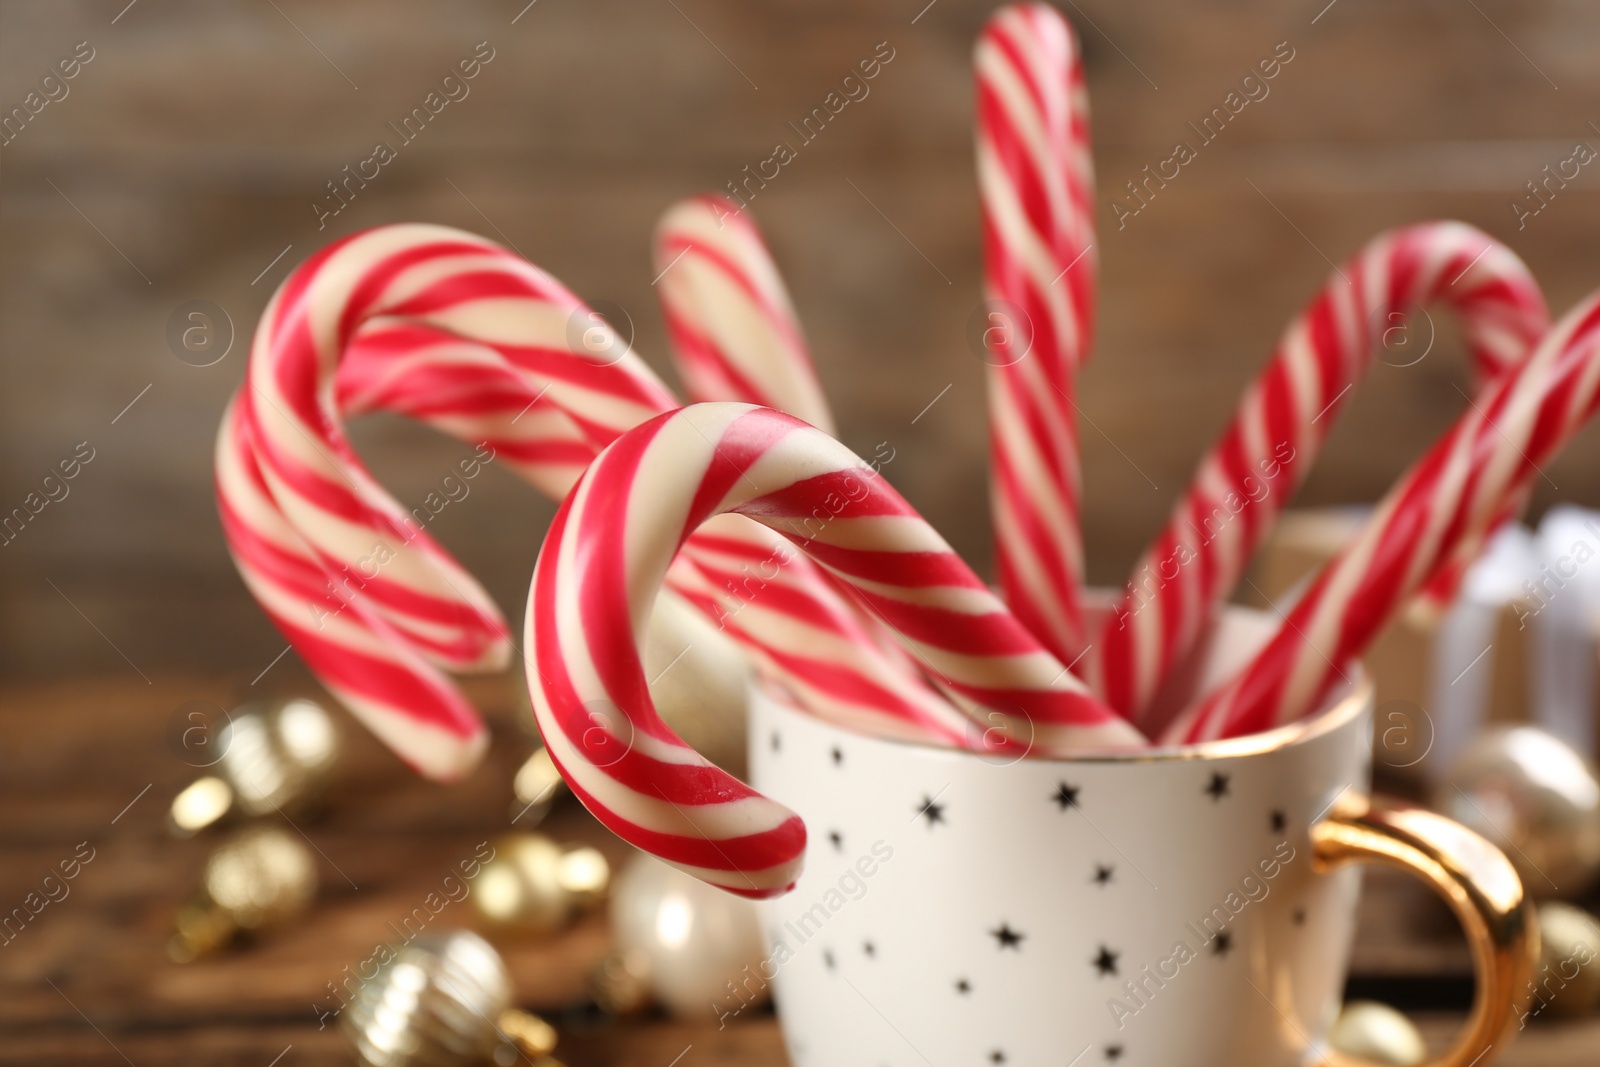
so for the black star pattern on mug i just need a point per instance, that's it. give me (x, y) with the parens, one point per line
(997, 1056)
(1113, 1052)
(827, 958)
(963, 986)
(870, 949)
(1222, 944)
(1066, 796)
(1007, 937)
(836, 839)
(838, 756)
(1279, 822)
(1102, 874)
(931, 810)
(1106, 962)
(1218, 787)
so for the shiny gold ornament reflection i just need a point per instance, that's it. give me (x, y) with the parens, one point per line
(1567, 984)
(535, 886)
(1535, 798)
(257, 879)
(1377, 1034)
(273, 758)
(443, 1000)
(535, 789)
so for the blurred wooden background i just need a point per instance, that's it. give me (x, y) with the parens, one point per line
(190, 149)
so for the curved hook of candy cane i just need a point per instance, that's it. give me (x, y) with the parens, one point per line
(1453, 494)
(375, 671)
(607, 552)
(734, 332)
(456, 282)
(1278, 428)
(469, 392)
(380, 572)
(1036, 183)
(735, 336)
(797, 627)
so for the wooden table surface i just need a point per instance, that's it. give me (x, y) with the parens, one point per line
(88, 981)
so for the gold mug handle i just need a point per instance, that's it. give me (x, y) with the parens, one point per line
(1478, 883)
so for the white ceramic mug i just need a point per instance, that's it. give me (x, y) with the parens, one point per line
(1181, 908)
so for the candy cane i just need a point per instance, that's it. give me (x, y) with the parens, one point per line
(1036, 179)
(367, 598)
(735, 335)
(359, 655)
(604, 558)
(1279, 426)
(734, 332)
(466, 390)
(797, 629)
(392, 604)
(1454, 493)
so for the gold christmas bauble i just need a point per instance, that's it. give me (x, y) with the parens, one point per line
(258, 878)
(272, 759)
(1376, 1033)
(536, 788)
(443, 1000)
(1567, 983)
(1534, 797)
(535, 886)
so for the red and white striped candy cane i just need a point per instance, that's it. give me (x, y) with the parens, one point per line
(607, 552)
(466, 390)
(1036, 180)
(392, 603)
(370, 666)
(734, 332)
(365, 596)
(1278, 428)
(793, 623)
(735, 335)
(1454, 493)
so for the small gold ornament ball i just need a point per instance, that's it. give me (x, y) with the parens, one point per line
(272, 758)
(536, 788)
(1376, 1033)
(535, 886)
(1568, 981)
(443, 1000)
(261, 876)
(258, 878)
(1535, 798)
